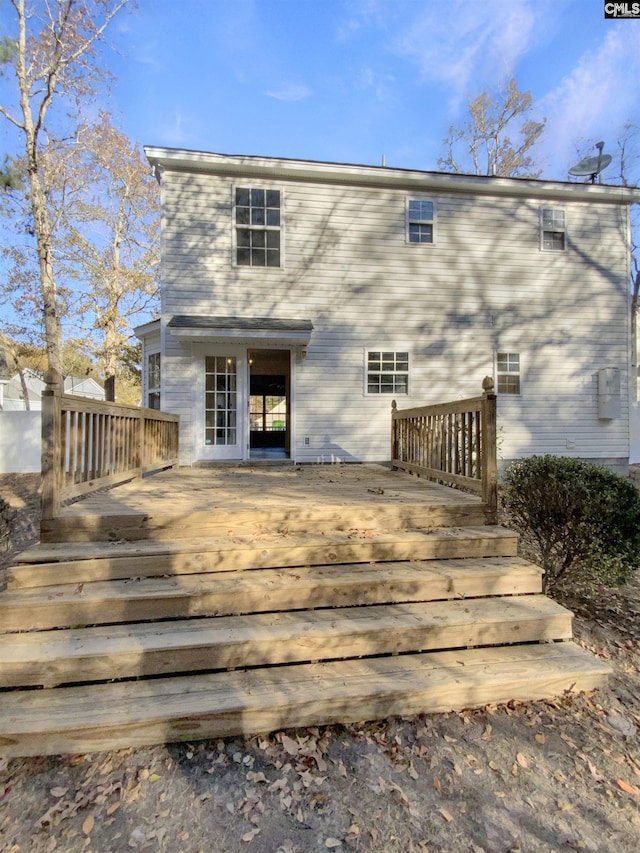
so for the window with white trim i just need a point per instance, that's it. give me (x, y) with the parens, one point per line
(420, 220)
(552, 229)
(153, 380)
(257, 221)
(508, 372)
(387, 372)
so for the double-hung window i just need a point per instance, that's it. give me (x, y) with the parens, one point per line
(420, 220)
(257, 220)
(153, 380)
(552, 229)
(508, 372)
(387, 372)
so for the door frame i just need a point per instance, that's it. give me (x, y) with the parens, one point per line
(240, 451)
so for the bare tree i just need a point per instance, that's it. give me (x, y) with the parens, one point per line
(629, 163)
(109, 237)
(496, 138)
(53, 60)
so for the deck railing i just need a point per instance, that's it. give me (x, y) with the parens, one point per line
(88, 444)
(454, 443)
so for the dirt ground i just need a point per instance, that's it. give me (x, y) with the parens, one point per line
(542, 776)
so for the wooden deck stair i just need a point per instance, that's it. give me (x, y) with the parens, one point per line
(258, 624)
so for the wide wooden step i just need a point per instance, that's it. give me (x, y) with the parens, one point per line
(397, 514)
(226, 593)
(161, 648)
(55, 564)
(129, 714)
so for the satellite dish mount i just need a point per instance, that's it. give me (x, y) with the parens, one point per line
(590, 167)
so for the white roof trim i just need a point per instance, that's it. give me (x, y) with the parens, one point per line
(175, 159)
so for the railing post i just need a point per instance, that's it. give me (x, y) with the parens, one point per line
(141, 442)
(394, 431)
(489, 450)
(51, 460)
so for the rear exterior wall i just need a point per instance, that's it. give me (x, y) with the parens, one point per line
(484, 286)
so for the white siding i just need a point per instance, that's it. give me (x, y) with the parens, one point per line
(484, 285)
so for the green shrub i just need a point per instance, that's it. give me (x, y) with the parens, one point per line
(578, 517)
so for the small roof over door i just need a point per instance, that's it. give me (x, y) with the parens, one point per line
(249, 330)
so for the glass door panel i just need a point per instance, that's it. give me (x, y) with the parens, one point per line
(220, 401)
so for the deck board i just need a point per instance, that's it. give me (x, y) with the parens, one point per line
(161, 648)
(52, 564)
(129, 714)
(269, 590)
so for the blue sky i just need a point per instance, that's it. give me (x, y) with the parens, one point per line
(351, 80)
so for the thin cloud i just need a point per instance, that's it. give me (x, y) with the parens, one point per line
(174, 134)
(594, 100)
(472, 45)
(462, 44)
(289, 92)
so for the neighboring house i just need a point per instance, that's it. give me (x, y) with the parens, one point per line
(20, 449)
(14, 393)
(316, 293)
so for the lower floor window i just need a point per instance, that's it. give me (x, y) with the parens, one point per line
(387, 372)
(153, 380)
(220, 400)
(508, 372)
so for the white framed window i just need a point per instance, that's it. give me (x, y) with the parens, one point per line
(387, 372)
(508, 372)
(553, 229)
(154, 378)
(421, 221)
(257, 216)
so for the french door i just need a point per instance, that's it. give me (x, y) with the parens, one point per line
(221, 428)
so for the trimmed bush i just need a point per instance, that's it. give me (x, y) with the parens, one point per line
(579, 518)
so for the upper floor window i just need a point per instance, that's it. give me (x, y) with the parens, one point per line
(257, 227)
(553, 229)
(153, 380)
(508, 372)
(387, 372)
(420, 220)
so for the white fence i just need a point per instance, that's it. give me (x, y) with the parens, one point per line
(20, 442)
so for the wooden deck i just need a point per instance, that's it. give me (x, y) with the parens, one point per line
(190, 501)
(232, 600)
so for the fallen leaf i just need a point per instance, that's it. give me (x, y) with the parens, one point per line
(249, 836)
(290, 745)
(522, 761)
(540, 738)
(625, 786)
(331, 843)
(58, 792)
(413, 772)
(446, 815)
(437, 785)
(493, 765)
(88, 825)
(113, 808)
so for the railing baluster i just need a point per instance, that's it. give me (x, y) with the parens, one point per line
(87, 444)
(452, 442)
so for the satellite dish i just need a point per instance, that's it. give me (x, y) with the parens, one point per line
(591, 166)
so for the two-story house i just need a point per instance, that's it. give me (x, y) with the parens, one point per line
(300, 298)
